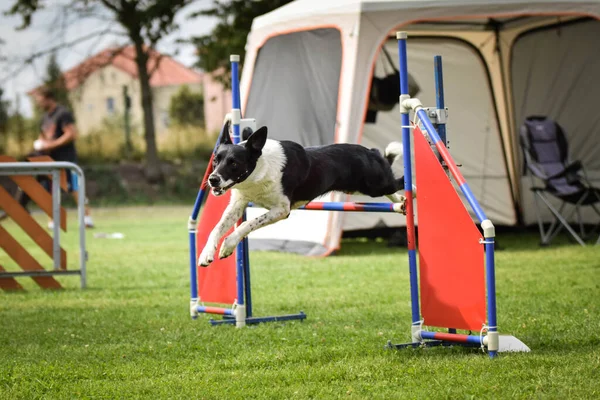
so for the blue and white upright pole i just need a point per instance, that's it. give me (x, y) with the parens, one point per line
(236, 117)
(408, 188)
(439, 98)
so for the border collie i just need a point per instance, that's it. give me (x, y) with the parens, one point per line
(283, 175)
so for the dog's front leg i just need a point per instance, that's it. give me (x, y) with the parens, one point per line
(232, 214)
(270, 217)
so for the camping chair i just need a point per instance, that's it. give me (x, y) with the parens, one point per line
(546, 157)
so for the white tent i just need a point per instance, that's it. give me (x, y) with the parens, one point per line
(308, 71)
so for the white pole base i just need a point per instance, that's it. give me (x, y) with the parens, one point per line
(240, 316)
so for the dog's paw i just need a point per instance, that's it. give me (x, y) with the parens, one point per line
(228, 246)
(206, 258)
(403, 205)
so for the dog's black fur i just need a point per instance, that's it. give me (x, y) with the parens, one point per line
(312, 171)
(348, 168)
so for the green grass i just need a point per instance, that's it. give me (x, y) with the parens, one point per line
(129, 334)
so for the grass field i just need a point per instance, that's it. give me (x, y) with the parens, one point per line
(129, 334)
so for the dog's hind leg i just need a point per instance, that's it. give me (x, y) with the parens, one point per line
(270, 217)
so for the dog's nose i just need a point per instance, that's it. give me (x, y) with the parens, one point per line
(214, 180)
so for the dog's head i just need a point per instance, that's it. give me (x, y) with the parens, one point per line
(233, 164)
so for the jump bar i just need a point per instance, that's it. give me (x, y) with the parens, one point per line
(257, 320)
(215, 310)
(349, 206)
(39, 273)
(451, 337)
(428, 343)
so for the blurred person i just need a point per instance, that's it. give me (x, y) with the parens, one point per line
(57, 140)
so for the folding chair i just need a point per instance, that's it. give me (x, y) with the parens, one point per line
(546, 157)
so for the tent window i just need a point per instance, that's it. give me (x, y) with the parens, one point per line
(555, 72)
(294, 89)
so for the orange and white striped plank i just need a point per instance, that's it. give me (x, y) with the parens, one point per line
(22, 218)
(37, 193)
(25, 260)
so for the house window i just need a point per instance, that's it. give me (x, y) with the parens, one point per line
(110, 105)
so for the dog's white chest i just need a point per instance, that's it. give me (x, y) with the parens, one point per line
(263, 186)
(263, 194)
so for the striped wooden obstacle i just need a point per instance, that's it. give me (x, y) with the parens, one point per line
(30, 266)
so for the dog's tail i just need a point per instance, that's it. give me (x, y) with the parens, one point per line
(393, 151)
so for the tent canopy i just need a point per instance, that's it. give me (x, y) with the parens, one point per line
(309, 67)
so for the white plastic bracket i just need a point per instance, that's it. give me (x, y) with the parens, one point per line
(416, 333)
(236, 116)
(240, 316)
(192, 223)
(437, 115)
(194, 308)
(403, 110)
(234, 58)
(407, 104)
(247, 123)
(492, 341)
(488, 229)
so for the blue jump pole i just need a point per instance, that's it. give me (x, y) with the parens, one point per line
(349, 206)
(410, 222)
(236, 98)
(439, 96)
(236, 116)
(440, 105)
(192, 228)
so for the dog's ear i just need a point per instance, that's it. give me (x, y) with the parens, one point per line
(257, 140)
(225, 138)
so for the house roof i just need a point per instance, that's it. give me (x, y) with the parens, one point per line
(169, 71)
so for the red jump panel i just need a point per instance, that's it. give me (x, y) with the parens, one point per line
(216, 283)
(451, 259)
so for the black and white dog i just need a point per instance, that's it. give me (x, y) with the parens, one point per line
(283, 175)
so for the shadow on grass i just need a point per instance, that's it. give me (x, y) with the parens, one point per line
(508, 239)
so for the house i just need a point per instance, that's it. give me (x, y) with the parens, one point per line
(96, 87)
(217, 102)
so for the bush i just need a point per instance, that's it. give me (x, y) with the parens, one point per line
(187, 107)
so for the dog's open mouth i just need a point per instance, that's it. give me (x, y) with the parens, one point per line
(218, 191)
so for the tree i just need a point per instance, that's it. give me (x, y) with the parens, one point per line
(3, 122)
(17, 125)
(230, 33)
(187, 107)
(56, 81)
(145, 23)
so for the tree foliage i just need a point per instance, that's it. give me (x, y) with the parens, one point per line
(145, 22)
(230, 34)
(55, 81)
(187, 107)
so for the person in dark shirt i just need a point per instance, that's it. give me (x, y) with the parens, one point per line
(58, 131)
(57, 140)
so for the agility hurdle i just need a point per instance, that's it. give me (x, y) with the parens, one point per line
(22, 173)
(452, 279)
(225, 281)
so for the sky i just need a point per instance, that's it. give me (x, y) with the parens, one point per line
(53, 26)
